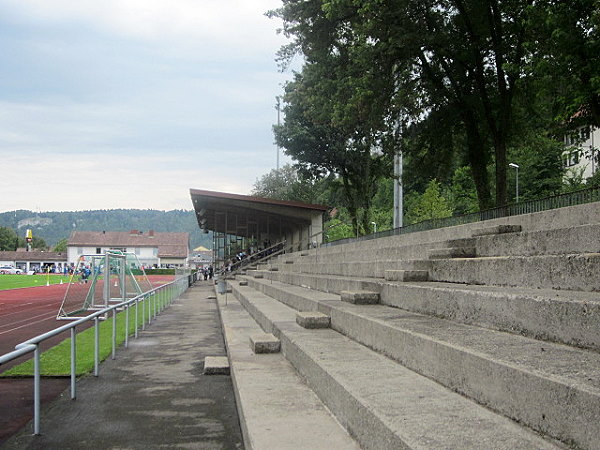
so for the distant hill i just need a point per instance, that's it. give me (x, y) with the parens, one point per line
(54, 226)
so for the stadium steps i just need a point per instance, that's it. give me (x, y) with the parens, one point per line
(568, 317)
(512, 330)
(382, 403)
(514, 375)
(277, 409)
(568, 239)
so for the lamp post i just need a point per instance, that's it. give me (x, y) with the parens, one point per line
(374, 227)
(516, 167)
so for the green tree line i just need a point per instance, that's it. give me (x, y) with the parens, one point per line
(54, 226)
(461, 87)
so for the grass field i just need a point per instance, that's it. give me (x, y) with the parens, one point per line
(22, 281)
(56, 361)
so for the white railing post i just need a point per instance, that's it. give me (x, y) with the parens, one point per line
(96, 346)
(73, 362)
(126, 325)
(114, 333)
(137, 300)
(36, 390)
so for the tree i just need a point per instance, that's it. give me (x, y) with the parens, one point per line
(37, 243)
(324, 143)
(541, 172)
(61, 246)
(566, 54)
(429, 205)
(8, 239)
(287, 184)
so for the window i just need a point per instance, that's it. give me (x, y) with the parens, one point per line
(585, 133)
(571, 158)
(79, 250)
(98, 251)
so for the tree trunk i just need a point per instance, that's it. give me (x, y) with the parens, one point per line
(477, 156)
(501, 162)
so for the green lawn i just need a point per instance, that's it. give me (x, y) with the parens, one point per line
(21, 281)
(56, 361)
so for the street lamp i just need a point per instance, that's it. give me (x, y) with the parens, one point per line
(516, 167)
(374, 227)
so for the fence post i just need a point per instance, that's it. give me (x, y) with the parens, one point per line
(114, 333)
(144, 313)
(126, 325)
(96, 346)
(154, 303)
(36, 390)
(137, 300)
(73, 362)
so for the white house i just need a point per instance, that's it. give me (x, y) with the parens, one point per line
(582, 151)
(152, 249)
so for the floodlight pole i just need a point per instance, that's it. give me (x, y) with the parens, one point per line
(278, 124)
(398, 207)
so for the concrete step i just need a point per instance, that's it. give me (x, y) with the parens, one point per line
(452, 252)
(277, 409)
(390, 251)
(383, 404)
(569, 317)
(553, 241)
(577, 239)
(486, 230)
(370, 269)
(406, 275)
(216, 365)
(571, 272)
(551, 388)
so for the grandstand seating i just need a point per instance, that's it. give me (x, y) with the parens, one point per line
(484, 335)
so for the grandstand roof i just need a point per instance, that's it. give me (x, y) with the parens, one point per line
(34, 255)
(213, 208)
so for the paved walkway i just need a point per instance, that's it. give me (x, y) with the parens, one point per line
(154, 394)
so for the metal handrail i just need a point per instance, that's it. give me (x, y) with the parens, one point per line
(158, 299)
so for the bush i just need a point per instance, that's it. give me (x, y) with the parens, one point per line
(155, 272)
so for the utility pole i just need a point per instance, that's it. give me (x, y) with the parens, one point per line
(398, 206)
(278, 107)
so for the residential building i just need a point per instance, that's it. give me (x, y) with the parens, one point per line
(582, 153)
(153, 249)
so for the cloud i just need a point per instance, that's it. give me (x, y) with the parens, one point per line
(108, 180)
(225, 23)
(129, 104)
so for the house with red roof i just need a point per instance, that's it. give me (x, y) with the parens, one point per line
(152, 249)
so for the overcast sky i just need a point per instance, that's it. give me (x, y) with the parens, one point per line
(130, 103)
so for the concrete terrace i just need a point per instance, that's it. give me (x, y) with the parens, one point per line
(483, 335)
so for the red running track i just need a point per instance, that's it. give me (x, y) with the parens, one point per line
(27, 312)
